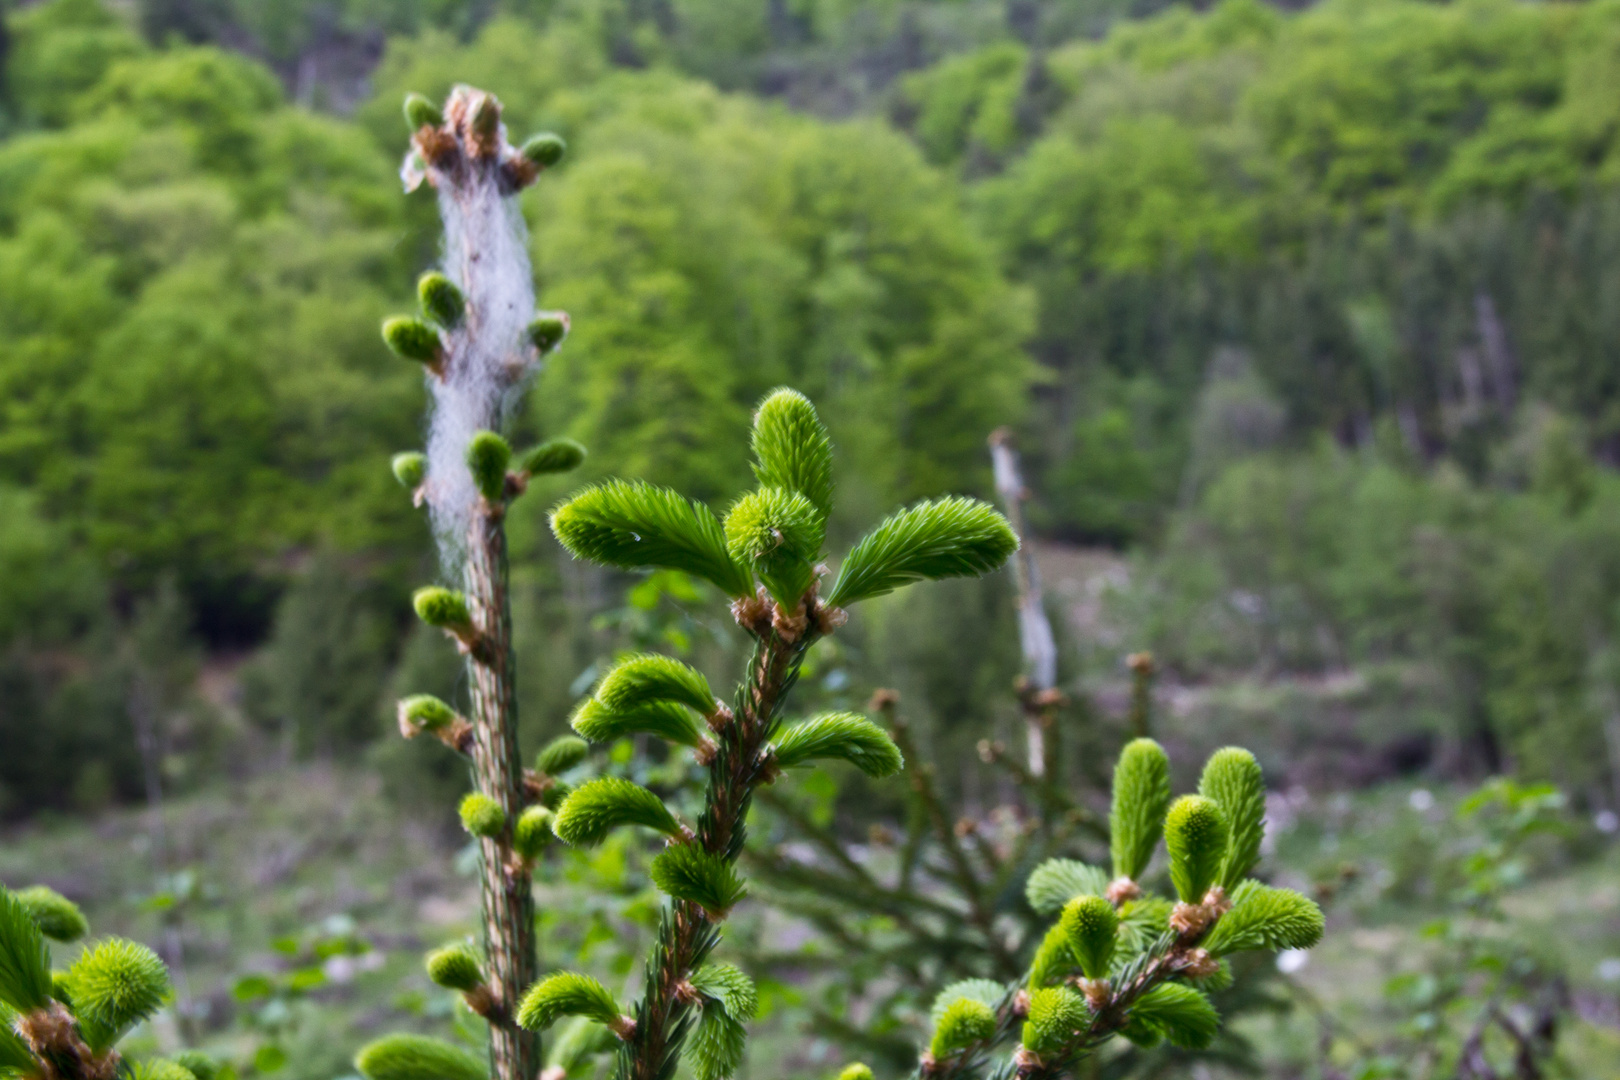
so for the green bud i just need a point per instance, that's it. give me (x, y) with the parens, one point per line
(1195, 832)
(413, 339)
(410, 468)
(482, 815)
(455, 967)
(965, 1022)
(115, 984)
(857, 1070)
(1232, 778)
(417, 1057)
(487, 456)
(56, 916)
(554, 796)
(1056, 1014)
(441, 300)
(1141, 793)
(561, 754)
(420, 112)
(441, 607)
(551, 456)
(545, 150)
(424, 712)
(1091, 926)
(532, 832)
(547, 330)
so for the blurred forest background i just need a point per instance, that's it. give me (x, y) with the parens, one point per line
(1306, 319)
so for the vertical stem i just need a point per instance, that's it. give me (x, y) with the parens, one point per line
(508, 898)
(1034, 629)
(686, 934)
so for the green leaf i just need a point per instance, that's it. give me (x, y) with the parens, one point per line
(849, 736)
(649, 677)
(1177, 1013)
(950, 537)
(1195, 833)
(687, 872)
(417, 1057)
(964, 1022)
(1144, 920)
(561, 754)
(1233, 780)
(792, 450)
(778, 533)
(567, 993)
(1091, 926)
(441, 300)
(1141, 795)
(455, 967)
(1057, 881)
(595, 809)
(1056, 1014)
(632, 524)
(1053, 960)
(601, 723)
(57, 917)
(25, 963)
(987, 991)
(115, 984)
(551, 456)
(488, 455)
(482, 815)
(1265, 918)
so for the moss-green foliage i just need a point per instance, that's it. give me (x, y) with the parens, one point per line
(25, 965)
(649, 677)
(1175, 1013)
(729, 1003)
(950, 537)
(561, 754)
(1091, 926)
(455, 967)
(963, 1022)
(595, 809)
(57, 917)
(566, 994)
(687, 872)
(115, 984)
(487, 457)
(1141, 796)
(1195, 834)
(778, 533)
(1233, 781)
(417, 1057)
(1055, 1015)
(847, 736)
(482, 815)
(1057, 881)
(633, 524)
(1265, 918)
